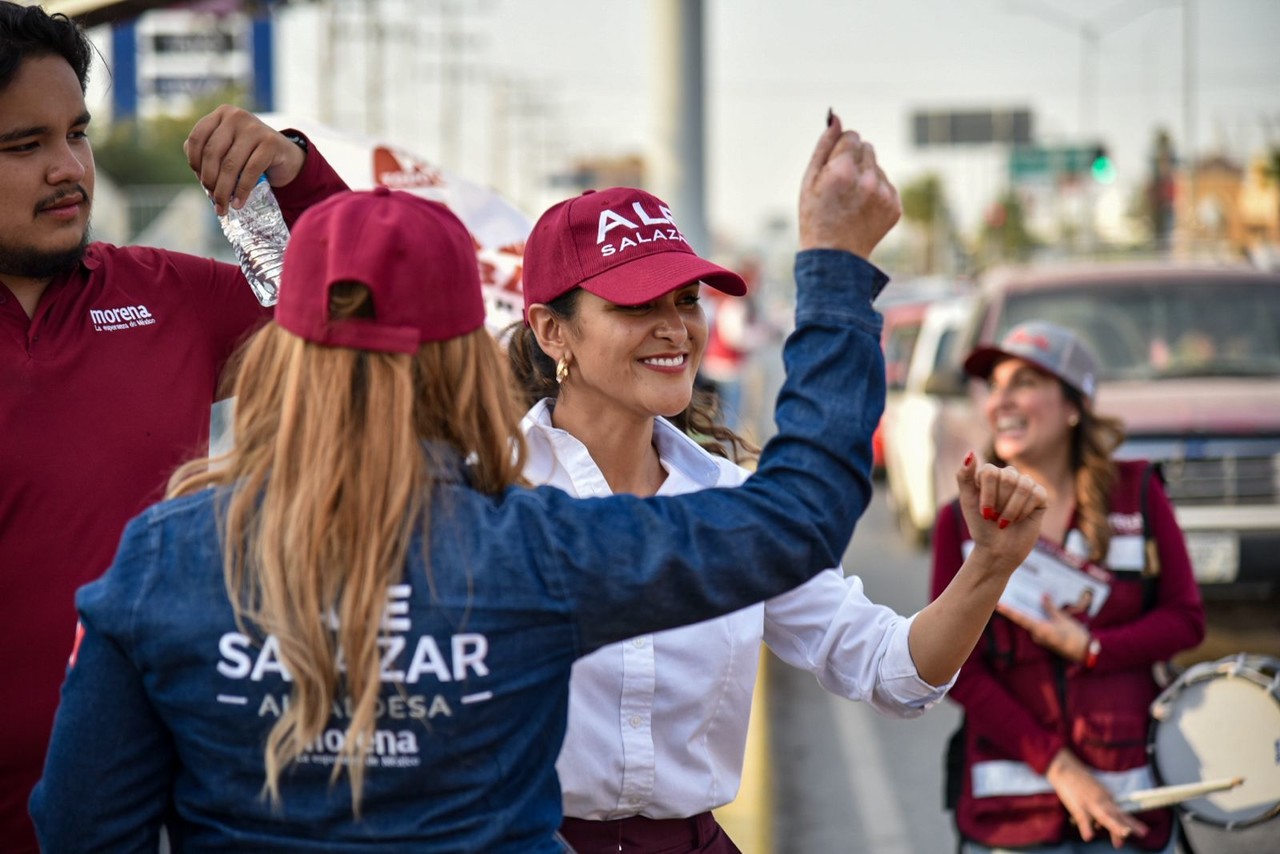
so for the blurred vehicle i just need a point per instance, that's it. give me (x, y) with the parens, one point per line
(1190, 360)
(911, 420)
(903, 307)
(898, 340)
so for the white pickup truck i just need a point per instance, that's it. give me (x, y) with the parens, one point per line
(1190, 360)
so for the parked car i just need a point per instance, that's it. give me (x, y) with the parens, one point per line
(911, 421)
(898, 340)
(903, 307)
(1190, 360)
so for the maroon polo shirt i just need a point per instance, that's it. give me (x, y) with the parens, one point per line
(103, 393)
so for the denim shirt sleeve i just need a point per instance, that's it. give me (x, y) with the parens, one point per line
(632, 566)
(110, 753)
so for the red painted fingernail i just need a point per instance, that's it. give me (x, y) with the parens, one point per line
(1004, 523)
(968, 458)
(989, 513)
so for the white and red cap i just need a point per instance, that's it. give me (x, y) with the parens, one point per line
(621, 244)
(1050, 347)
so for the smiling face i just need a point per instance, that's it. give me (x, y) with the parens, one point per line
(639, 359)
(46, 170)
(1029, 415)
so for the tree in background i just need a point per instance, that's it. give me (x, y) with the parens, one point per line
(1005, 236)
(924, 207)
(149, 151)
(147, 154)
(1160, 190)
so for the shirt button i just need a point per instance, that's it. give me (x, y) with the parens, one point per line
(639, 643)
(636, 721)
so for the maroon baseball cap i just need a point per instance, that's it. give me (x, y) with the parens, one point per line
(415, 256)
(621, 244)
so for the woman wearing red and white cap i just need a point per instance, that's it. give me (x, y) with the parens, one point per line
(1056, 694)
(612, 340)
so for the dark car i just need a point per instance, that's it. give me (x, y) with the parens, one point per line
(1190, 360)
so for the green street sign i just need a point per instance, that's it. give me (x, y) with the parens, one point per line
(1041, 162)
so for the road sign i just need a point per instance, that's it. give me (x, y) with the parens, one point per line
(1031, 162)
(971, 127)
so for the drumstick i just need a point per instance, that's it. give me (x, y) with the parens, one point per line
(1165, 796)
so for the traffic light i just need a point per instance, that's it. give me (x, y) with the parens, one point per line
(1103, 170)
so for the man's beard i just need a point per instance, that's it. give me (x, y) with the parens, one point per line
(30, 263)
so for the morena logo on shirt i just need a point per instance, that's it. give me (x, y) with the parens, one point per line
(643, 227)
(124, 317)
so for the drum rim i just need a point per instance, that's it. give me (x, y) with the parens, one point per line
(1230, 667)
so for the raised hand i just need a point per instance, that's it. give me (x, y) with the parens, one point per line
(229, 148)
(846, 201)
(1003, 510)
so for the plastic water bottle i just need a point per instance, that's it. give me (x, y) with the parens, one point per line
(258, 235)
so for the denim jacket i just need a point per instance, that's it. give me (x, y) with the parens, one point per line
(167, 705)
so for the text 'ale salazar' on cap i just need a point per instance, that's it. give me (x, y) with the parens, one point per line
(414, 255)
(1050, 347)
(621, 244)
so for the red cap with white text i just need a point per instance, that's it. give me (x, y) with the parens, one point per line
(621, 244)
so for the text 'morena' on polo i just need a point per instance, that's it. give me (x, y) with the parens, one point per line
(621, 244)
(1050, 347)
(414, 255)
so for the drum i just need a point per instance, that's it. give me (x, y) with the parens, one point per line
(1222, 719)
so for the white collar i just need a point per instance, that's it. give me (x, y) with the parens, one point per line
(549, 445)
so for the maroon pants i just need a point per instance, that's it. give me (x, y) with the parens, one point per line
(640, 835)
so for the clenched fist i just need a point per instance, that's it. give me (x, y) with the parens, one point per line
(846, 201)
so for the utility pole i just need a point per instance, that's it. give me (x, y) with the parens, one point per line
(450, 75)
(677, 158)
(328, 57)
(1189, 107)
(1091, 33)
(374, 49)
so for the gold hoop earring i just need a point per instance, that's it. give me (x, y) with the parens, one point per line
(562, 370)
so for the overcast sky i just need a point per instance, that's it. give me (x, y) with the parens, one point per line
(581, 73)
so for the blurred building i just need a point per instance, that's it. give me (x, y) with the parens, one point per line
(166, 60)
(1229, 207)
(1259, 207)
(590, 173)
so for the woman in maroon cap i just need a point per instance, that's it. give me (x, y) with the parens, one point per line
(1056, 694)
(607, 357)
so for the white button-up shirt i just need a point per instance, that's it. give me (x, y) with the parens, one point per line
(658, 723)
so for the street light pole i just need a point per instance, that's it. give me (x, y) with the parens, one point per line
(1091, 33)
(1188, 105)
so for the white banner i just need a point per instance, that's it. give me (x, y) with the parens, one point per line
(498, 227)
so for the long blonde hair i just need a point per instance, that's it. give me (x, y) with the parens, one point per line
(325, 485)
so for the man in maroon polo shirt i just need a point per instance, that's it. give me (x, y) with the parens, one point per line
(109, 361)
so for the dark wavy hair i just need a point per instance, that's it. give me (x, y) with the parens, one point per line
(535, 375)
(1093, 442)
(29, 31)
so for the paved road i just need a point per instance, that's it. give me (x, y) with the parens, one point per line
(843, 778)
